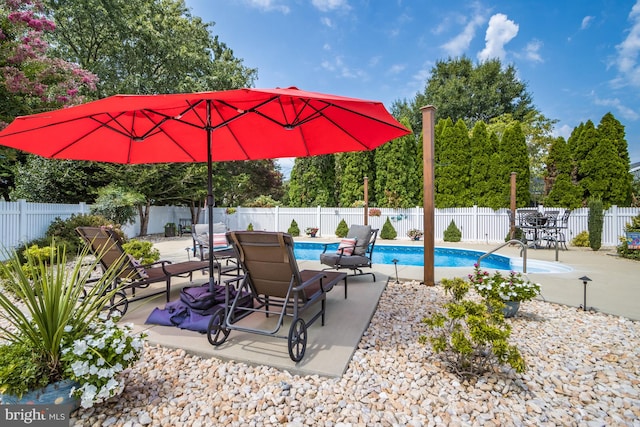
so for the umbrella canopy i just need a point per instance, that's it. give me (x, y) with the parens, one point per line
(241, 124)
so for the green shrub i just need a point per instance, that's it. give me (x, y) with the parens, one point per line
(596, 218)
(470, 338)
(452, 233)
(294, 230)
(250, 227)
(40, 255)
(143, 251)
(117, 204)
(388, 232)
(581, 240)
(342, 229)
(64, 231)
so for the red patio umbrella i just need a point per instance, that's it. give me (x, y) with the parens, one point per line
(241, 124)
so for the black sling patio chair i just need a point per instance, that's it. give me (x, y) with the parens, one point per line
(272, 277)
(107, 244)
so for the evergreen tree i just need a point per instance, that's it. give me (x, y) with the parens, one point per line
(513, 153)
(480, 173)
(351, 169)
(564, 193)
(395, 182)
(497, 197)
(312, 181)
(618, 190)
(452, 172)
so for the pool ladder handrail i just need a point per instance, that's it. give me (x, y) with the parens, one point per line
(523, 253)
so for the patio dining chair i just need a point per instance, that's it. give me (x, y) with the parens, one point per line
(107, 244)
(278, 287)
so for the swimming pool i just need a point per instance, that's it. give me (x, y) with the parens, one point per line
(443, 257)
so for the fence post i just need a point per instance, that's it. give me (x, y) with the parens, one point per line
(22, 220)
(614, 225)
(475, 222)
(276, 219)
(318, 220)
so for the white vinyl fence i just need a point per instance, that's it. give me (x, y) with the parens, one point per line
(21, 221)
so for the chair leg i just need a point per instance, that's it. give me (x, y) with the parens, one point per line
(168, 288)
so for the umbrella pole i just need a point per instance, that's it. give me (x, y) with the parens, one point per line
(210, 199)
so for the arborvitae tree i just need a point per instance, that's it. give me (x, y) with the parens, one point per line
(342, 229)
(564, 193)
(498, 196)
(513, 154)
(395, 184)
(618, 175)
(558, 162)
(595, 220)
(351, 169)
(583, 146)
(294, 230)
(388, 232)
(575, 151)
(452, 169)
(452, 233)
(312, 182)
(481, 152)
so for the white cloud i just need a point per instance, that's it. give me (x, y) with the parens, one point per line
(329, 5)
(461, 42)
(397, 68)
(268, 5)
(563, 131)
(326, 22)
(499, 32)
(623, 110)
(532, 51)
(343, 70)
(586, 22)
(627, 59)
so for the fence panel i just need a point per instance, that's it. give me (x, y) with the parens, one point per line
(21, 222)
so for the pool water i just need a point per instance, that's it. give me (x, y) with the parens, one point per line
(443, 257)
(412, 255)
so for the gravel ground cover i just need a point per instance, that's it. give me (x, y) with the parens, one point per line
(583, 370)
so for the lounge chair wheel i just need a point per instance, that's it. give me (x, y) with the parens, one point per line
(297, 339)
(216, 333)
(118, 304)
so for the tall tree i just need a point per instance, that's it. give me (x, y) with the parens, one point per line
(351, 169)
(145, 47)
(396, 183)
(559, 190)
(461, 90)
(480, 171)
(312, 181)
(454, 164)
(513, 153)
(31, 80)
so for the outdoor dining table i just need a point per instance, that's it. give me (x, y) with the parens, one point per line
(536, 222)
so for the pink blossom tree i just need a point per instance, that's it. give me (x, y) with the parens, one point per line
(31, 80)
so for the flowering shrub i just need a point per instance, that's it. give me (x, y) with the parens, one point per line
(513, 287)
(311, 230)
(375, 212)
(96, 359)
(415, 234)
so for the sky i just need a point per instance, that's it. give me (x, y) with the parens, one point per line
(580, 59)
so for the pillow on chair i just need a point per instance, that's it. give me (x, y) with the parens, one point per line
(346, 246)
(220, 241)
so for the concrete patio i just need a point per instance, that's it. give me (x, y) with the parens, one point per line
(614, 289)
